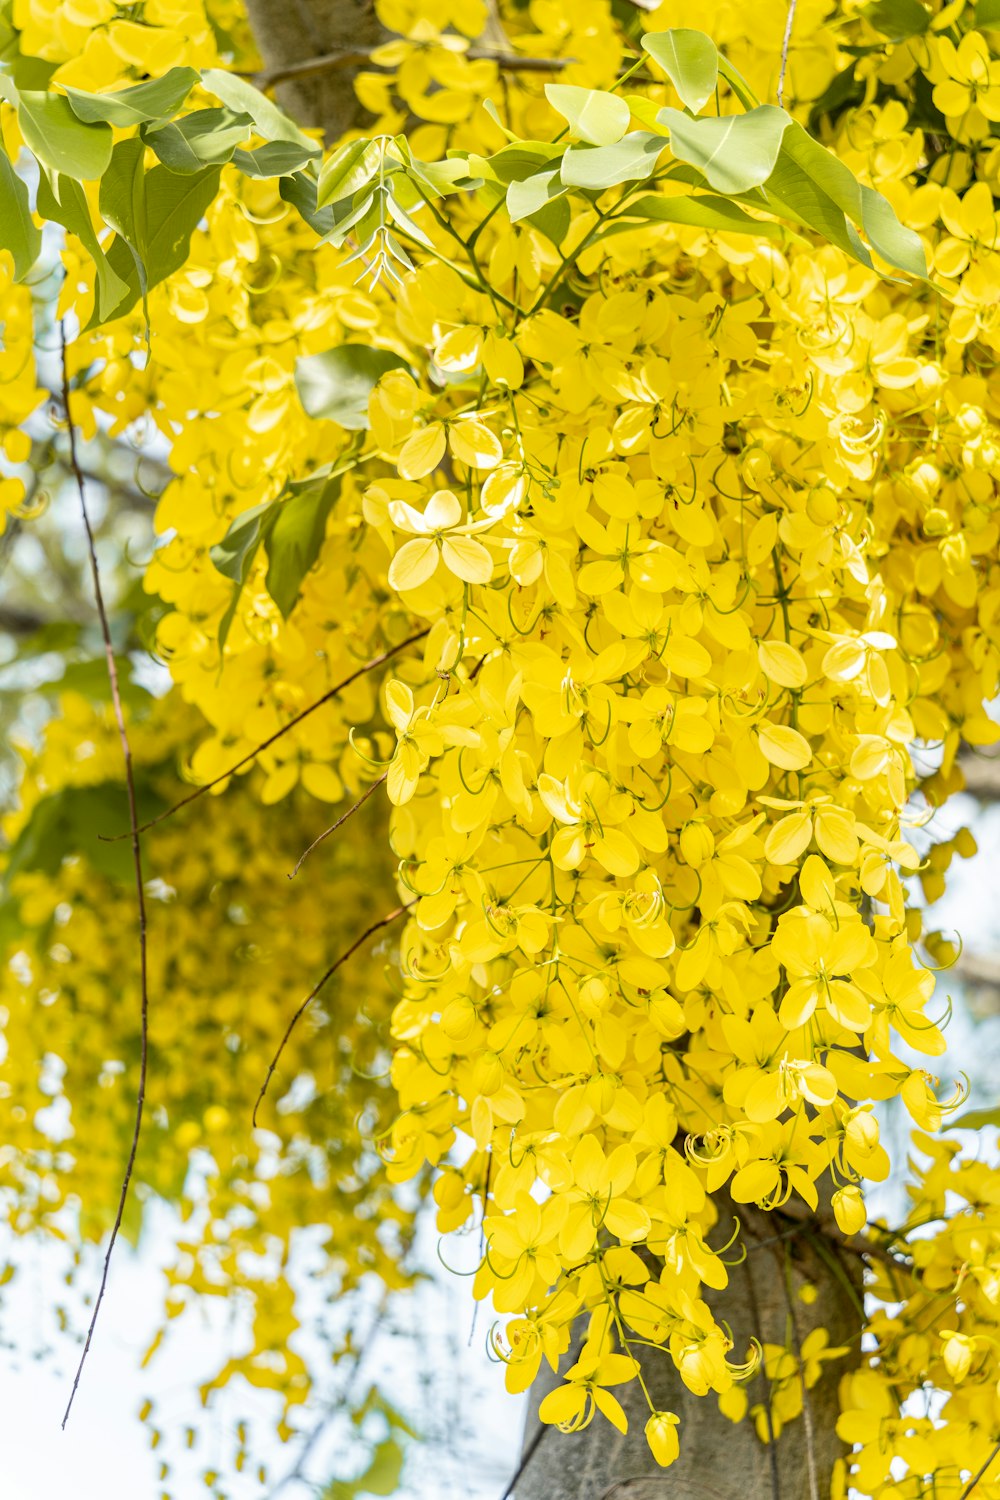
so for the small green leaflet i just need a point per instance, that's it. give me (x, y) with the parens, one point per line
(273, 159)
(336, 385)
(299, 189)
(296, 539)
(702, 211)
(690, 60)
(897, 19)
(381, 1477)
(595, 168)
(62, 200)
(595, 116)
(735, 152)
(159, 99)
(206, 138)
(171, 209)
(290, 530)
(516, 162)
(123, 207)
(58, 139)
(241, 97)
(531, 196)
(975, 1119)
(348, 169)
(866, 208)
(18, 231)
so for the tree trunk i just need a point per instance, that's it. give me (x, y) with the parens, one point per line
(719, 1460)
(292, 35)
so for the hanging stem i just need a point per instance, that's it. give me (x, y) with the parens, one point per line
(339, 824)
(133, 834)
(358, 942)
(369, 666)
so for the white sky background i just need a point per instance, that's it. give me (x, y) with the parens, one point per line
(105, 1455)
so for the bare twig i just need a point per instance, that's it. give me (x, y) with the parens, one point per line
(136, 860)
(339, 824)
(329, 62)
(785, 44)
(385, 921)
(369, 666)
(979, 1474)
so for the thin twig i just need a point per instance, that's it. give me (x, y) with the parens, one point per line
(785, 44)
(136, 860)
(358, 942)
(358, 57)
(979, 1475)
(339, 824)
(369, 666)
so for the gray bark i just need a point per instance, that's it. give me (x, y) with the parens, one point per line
(333, 35)
(719, 1460)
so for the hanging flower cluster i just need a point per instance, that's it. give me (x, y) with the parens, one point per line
(229, 942)
(701, 532)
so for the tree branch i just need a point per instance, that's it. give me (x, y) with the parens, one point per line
(347, 57)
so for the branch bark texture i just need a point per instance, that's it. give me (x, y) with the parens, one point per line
(721, 1460)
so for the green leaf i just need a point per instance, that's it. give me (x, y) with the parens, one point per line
(735, 152)
(380, 1478)
(159, 99)
(59, 140)
(234, 555)
(18, 232)
(897, 19)
(516, 162)
(593, 115)
(299, 189)
(295, 540)
(243, 98)
(206, 138)
(631, 159)
(70, 822)
(347, 170)
(123, 201)
(737, 83)
(273, 159)
(552, 219)
(336, 385)
(174, 205)
(530, 196)
(988, 15)
(975, 1119)
(701, 211)
(61, 200)
(690, 60)
(836, 183)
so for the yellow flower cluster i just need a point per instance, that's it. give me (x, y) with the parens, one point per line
(232, 948)
(97, 44)
(20, 394)
(703, 530)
